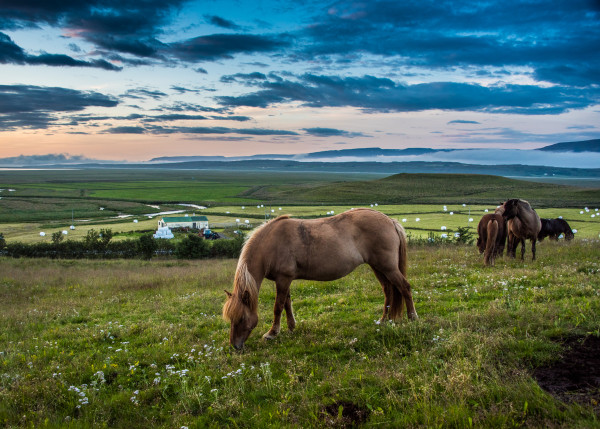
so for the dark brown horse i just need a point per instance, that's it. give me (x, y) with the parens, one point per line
(286, 249)
(523, 223)
(553, 228)
(492, 235)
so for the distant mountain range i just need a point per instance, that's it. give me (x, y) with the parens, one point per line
(570, 159)
(368, 154)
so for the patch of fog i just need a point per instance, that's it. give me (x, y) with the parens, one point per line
(192, 205)
(164, 213)
(487, 157)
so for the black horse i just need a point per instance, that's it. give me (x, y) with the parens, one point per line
(553, 228)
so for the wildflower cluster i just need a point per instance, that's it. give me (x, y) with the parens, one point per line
(81, 392)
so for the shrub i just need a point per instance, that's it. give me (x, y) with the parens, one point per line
(192, 247)
(146, 246)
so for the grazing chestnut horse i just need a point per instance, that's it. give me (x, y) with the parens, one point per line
(492, 236)
(523, 223)
(285, 249)
(553, 228)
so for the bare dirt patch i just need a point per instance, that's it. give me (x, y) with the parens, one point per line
(345, 414)
(575, 377)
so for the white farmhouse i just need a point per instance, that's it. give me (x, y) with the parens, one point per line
(194, 222)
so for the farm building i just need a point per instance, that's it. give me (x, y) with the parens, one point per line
(195, 222)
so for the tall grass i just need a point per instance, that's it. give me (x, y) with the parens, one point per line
(134, 343)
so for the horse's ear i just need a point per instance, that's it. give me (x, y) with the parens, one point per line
(246, 298)
(229, 295)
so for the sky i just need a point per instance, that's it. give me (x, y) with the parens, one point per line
(137, 79)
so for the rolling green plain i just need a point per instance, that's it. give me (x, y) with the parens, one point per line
(132, 343)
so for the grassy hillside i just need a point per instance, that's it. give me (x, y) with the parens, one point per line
(132, 343)
(431, 188)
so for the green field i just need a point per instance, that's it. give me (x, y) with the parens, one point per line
(142, 344)
(134, 343)
(50, 201)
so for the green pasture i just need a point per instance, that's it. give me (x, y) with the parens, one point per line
(48, 201)
(431, 219)
(142, 344)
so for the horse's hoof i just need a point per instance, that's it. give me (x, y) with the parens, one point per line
(270, 336)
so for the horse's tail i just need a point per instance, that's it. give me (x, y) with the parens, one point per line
(397, 303)
(490, 246)
(245, 294)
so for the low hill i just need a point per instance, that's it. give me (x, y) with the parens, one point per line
(582, 146)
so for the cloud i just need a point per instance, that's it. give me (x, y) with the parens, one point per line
(221, 22)
(383, 95)
(122, 25)
(182, 90)
(460, 121)
(224, 130)
(49, 159)
(331, 132)
(126, 130)
(142, 93)
(222, 46)
(250, 78)
(28, 106)
(11, 53)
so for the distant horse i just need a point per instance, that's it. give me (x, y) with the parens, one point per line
(286, 249)
(553, 228)
(492, 235)
(523, 223)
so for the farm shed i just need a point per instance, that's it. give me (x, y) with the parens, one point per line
(196, 222)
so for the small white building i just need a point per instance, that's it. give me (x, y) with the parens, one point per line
(164, 232)
(194, 222)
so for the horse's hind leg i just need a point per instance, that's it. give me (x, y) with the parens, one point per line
(282, 287)
(397, 279)
(522, 249)
(289, 312)
(387, 291)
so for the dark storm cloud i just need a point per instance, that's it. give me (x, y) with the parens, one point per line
(221, 22)
(377, 94)
(221, 46)
(433, 33)
(11, 53)
(27, 106)
(125, 25)
(331, 132)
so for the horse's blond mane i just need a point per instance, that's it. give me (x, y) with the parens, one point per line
(245, 289)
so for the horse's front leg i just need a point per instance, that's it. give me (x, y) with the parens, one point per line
(283, 291)
(522, 249)
(533, 248)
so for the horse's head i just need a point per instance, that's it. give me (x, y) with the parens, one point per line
(243, 318)
(480, 244)
(511, 208)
